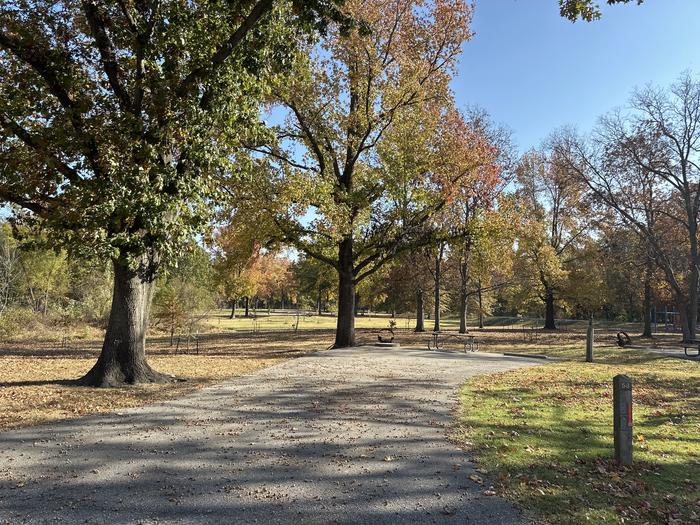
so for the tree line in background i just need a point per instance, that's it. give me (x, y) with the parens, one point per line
(131, 128)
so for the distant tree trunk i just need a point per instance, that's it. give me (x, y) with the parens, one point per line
(646, 314)
(694, 282)
(481, 305)
(685, 325)
(549, 321)
(269, 304)
(438, 277)
(464, 284)
(123, 357)
(420, 314)
(318, 302)
(233, 310)
(345, 328)
(246, 303)
(357, 304)
(463, 297)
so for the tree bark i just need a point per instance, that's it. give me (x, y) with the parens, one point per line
(464, 282)
(438, 278)
(123, 357)
(345, 328)
(549, 322)
(481, 306)
(463, 310)
(692, 316)
(318, 302)
(646, 314)
(420, 317)
(233, 310)
(246, 303)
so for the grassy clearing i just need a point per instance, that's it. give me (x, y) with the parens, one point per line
(35, 374)
(285, 320)
(261, 321)
(544, 435)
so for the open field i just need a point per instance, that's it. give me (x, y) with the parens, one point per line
(261, 320)
(543, 435)
(34, 374)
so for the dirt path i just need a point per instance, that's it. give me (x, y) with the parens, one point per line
(345, 436)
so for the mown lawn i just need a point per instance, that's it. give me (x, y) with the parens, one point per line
(544, 436)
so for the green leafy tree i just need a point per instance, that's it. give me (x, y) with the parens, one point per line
(186, 292)
(9, 266)
(117, 118)
(587, 10)
(44, 277)
(317, 281)
(555, 219)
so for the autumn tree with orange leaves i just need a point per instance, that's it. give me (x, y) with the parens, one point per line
(332, 190)
(483, 152)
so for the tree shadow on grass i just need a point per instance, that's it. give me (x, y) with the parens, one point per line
(559, 461)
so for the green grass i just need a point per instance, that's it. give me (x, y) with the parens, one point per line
(544, 434)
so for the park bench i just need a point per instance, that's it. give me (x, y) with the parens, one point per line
(692, 344)
(437, 341)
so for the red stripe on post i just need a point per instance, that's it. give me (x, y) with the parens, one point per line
(629, 414)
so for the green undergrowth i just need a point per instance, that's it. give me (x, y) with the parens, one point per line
(544, 435)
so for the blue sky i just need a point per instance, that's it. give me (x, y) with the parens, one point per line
(535, 71)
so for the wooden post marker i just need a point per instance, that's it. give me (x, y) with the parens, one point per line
(622, 413)
(589, 342)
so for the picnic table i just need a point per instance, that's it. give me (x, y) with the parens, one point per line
(437, 341)
(694, 344)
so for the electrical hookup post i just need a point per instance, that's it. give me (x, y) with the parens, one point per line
(622, 414)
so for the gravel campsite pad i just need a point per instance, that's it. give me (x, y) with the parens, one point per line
(343, 436)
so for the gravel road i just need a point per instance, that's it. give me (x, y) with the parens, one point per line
(356, 436)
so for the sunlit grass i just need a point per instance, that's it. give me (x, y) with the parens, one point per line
(545, 435)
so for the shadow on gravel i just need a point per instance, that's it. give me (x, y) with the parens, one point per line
(301, 451)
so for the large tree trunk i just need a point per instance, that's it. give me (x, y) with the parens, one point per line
(318, 302)
(646, 314)
(420, 314)
(123, 357)
(246, 305)
(345, 329)
(233, 310)
(549, 323)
